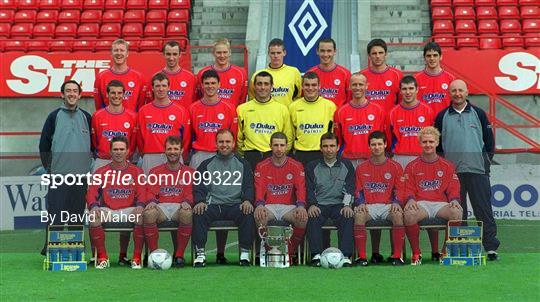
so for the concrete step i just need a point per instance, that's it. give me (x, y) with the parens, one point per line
(220, 22)
(228, 9)
(400, 7)
(214, 36)
(402, 27)
(390, 14)
(206, 42)
(406, 40)
(223, 15)
(216, 29)
(376, 33)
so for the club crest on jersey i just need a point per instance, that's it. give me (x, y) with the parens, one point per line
(109, 134)
(387, 175)
(430, 185)
(183, 84)
(159, 128)
(210, 127)
(337, 82)
(421, 119)
(119, 193)
(440, 173)
(360, 129)
(127, 125)
(370, 117)
(444, 86)
(131, 84)
(289, 176)
(409, 130)
(232, 81)
(220, 116)
(311, 128)
(172, 117)
(170, 191)
(388, 83)
(375, 187)
(279, 189)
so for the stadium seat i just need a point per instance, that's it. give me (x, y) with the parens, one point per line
(158, 4)
(72, 4)
(465, 27)
(49, 5)
(44, 30)
(435, 3)
(154, 30)
(485, 2)
(156, 15)
(136, 4)
(530, 12)
(532, 41)
(445, 41)
(135, 16)
(110, 30)
(115, 4)
(488, 27)
(69, 16)
(88, 30)
(463, 3)
(507, 2)
(443, 27)
(179, 4)
(5, 30)
(490, 43)
(529, 2)
(508, 12)
(531, 26)
(6, 16)
(103, 45)
(132, 30)
(25, 16)
(21, 30)
(14, 45)
(28, 4)
(40, 45)
(46, 16)
(113, 16)
(83, 45)
(176, 30)
(463, 42)
(464, 13)
(66, 30)
(510, 26)
(61, 45)
(442, 13)
(150, 45)
(94, 4)
(8, 4)
(486, 12)
(91, 16)
(512, 41)
(177, 16)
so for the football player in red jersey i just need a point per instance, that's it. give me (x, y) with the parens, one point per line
(431, 190)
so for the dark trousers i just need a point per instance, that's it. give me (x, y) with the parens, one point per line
(306, 156)
(245, 223)
(344, 226)
(254, 157)
(479, 189)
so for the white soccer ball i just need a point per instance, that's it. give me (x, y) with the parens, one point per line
(160, 259)
(332, 258)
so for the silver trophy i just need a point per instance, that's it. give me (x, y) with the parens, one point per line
(275, 246)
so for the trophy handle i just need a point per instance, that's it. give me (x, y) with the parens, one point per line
(262, 232)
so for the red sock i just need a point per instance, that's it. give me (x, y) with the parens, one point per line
(375, 236)
(297, 236)
(98, 237)
(138, 242)
(124, 243)
(174, 236)
(398, 235)
(434, 240)
(413, 234)
(360, 239)
(182, 238)
(151, 234)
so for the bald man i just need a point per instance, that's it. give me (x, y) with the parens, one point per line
(467, 140)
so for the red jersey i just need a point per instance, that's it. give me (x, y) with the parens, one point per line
(120, 188)
(433, 89)
(134, 88)
(207, 120)
(106, 125)
(405, 123)
(383, 87)
(233, 83)
(156, 123)
(278, 185)
(379, 183)
(175, 187)
(182, 85)
(431, 181)
(353, 126)
(334, 83)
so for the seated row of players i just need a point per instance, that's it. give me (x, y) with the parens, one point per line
(278, 190)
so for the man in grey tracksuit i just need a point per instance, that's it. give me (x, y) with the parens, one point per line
(467, 140)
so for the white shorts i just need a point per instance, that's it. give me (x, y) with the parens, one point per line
(404, 160)
(198, 157)
(378, 211)
(168, 208)
(150, 161)
(432, 207)
(120, 215)
(280, 209)
(100, 162)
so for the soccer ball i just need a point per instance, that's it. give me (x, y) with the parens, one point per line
(332, 258)
(160, 259)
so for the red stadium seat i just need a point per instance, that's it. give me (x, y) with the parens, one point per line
(5, 30)
(49, 5)
(490, 43)
(510, 26)
(531, 26)
(508, 12)
(66, 30)
(179, 15)
(530, 12)
(91, 16)
(8, 4)
(25, 16)
(150, 45)
(442, 13)
(28, 4)
(6, 16)
(435, 3)
(529, 2)
(156, 15)
(72, 4)
(507, 2)
(463, 2)
(532, 41)
(21, 30)
(443, 27)
(110, 30)
(83, 45)
(465, 27)
(176, 30)
(513, 41)
(485, 2)
(88, 30)
(135, 16)
(445, 41)
(132, 30)
(94, 4)
(14, 45)
(179, 4)
(103, 45)
(46, 16)
(136, 4)
(69, 16)
(115, 4)
(158, 4)
(40, 45)
(464, 13)
(488, 27)
(462, 42)
(61, 45)
(486, 12)
(44, 30)
(113, 16)
(154, 30)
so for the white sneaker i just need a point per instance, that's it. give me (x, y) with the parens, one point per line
(416, 260)
(136, 264)
(200, 261)
(103, 264)
(346, 262)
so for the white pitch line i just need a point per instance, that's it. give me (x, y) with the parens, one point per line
(228, 245)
